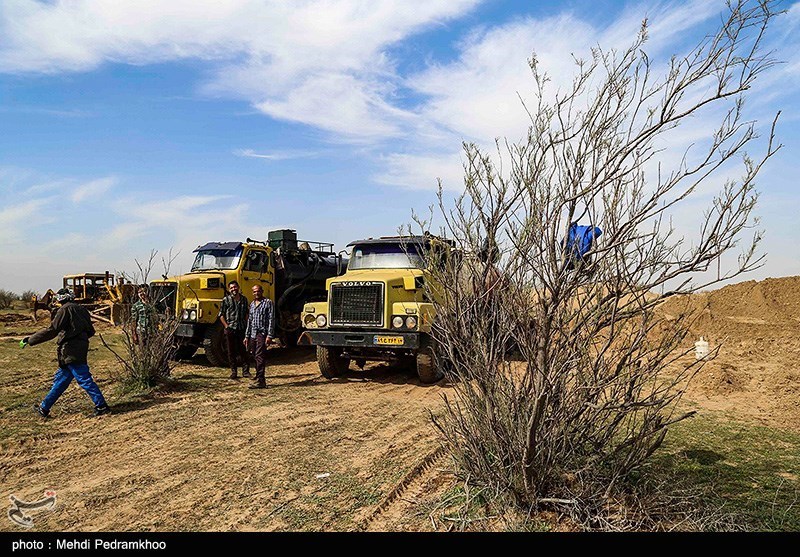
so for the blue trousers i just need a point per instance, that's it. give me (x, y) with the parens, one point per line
(64, 377)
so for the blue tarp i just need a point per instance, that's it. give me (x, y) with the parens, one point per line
(579, 240)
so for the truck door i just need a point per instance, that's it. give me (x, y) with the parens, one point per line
(256, 270)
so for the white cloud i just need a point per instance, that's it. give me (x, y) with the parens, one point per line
(319, 62)
(177, 223)
(176, 216)
(47, 187)
(72, 242)
(16, 218)
(346, 105)
(12, 176)
(794, 13)
(327, 64)
(46, 237)
(275, 155)
(58, 112)
(92, 189)
(668, 23)
(479, 95)
(422, 171)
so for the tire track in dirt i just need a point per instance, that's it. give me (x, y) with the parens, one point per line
(225, 457)
(401, 497)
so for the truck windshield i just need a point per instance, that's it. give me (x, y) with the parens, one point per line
(385, 256)
(209, 259)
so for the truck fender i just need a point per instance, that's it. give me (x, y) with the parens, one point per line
(304, 340)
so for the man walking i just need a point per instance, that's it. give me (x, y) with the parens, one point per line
(143, 315)
(233, 315)
(260, 332)
(73, 326)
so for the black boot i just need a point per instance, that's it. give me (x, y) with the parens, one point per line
(259, 382)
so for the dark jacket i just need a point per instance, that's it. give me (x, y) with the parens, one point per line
(235, 313)
(73, 326)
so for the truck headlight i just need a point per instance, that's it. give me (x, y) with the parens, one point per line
(185, 315)
(321, 320)
(397, 321)
(411, 322)
(193, 315)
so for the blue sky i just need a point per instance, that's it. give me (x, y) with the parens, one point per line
(128, 126)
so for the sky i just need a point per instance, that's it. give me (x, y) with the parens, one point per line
(130, 126)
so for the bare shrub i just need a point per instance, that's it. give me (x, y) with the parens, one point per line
(598, 371)
(7, 298)
(147, 355)
(28, 295)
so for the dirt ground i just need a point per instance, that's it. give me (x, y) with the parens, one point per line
(357, 453)
(304, 454)
(756, 327)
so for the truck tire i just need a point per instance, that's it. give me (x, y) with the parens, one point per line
(331, 364)
(184, 352)
(216, 350)
(426, 367)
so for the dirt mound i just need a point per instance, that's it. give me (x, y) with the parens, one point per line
(756, 327)
(745, 311)
(13, 317)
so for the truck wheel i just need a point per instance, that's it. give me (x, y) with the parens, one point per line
(184, 352)
(216, 350)
(331, 364)
(426, 369)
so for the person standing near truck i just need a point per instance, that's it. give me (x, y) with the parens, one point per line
(260, 332)
(73, 326)
(143, 316)
(233, 312)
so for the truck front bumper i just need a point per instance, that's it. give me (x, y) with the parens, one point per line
(191, 333)
(362, 339)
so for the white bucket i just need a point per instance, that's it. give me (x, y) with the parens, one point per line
(701, 349)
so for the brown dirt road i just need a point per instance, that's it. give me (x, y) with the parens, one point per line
(305, 453)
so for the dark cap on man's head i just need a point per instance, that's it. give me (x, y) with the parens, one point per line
(63, 295)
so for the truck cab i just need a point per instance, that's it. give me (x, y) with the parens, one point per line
(379, 310)
(291, 274)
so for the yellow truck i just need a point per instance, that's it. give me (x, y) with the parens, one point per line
(291, 273)
(380, 309)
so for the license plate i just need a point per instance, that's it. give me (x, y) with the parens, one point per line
(393, 341)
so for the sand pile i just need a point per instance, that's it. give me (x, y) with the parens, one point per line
(757, 326)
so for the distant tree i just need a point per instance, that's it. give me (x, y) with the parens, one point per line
(7, 298)
(28, 295)
(598, 375)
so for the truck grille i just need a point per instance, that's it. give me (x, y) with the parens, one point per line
(357, 303)
(163, 295)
